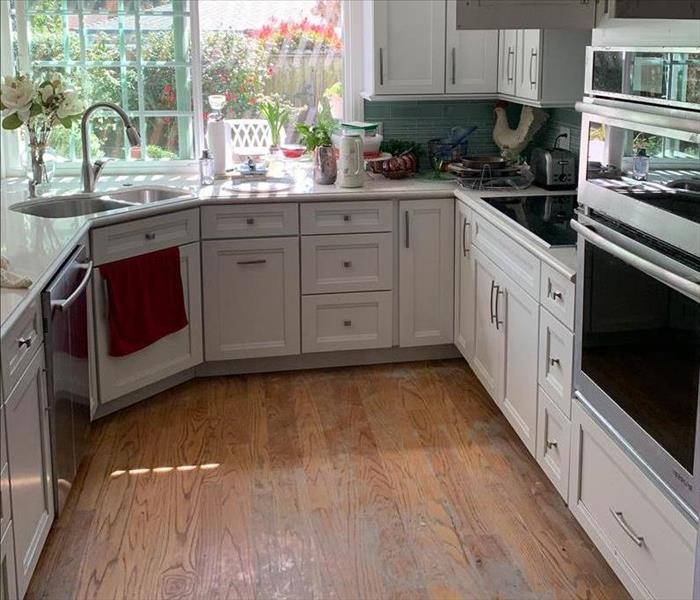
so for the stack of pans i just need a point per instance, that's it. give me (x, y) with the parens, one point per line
(473, 167)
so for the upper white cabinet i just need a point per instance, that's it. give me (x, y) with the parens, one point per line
(509, 14)
(471, 57)
(415, 48)
(542, 66)
(405, 46)
(29, 458)
(426, 258)
(251, 297)
(464, 298)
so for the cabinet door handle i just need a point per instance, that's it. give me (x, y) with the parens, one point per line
(347, 218)
(151, 235)
(408, 226)
(25, 341)
(499, 291)
(620, 518)
(347, 264)
(552, 444)
(493, 287)
(454, 66)
(347, 323)
(511, 53)
(465, 224)
(381, 66)
(260, 261)
(533, 55)
(557, 295)
(250, 221)
(554, 361)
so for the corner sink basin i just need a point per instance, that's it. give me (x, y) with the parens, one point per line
(147, 194)
(61, 207)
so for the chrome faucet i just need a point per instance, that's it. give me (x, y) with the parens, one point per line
(91, 173)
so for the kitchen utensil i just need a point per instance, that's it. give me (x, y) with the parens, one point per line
(478, 162)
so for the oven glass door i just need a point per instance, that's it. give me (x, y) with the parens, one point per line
(662, 77)
(639, 345)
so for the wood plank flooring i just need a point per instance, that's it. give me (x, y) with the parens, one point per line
(390, 481)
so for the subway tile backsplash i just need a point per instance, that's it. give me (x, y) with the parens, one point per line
(421, 121)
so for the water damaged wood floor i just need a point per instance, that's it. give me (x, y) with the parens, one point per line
(392, 481)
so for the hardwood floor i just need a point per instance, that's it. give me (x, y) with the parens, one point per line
(391, 481)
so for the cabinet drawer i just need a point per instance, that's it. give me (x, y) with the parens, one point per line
(5, 511)
(557, 295)
(556, 361)
(516, 261)
(553, 442)
(346, 263)
(144, 235)
(19, 345)
(346, 321)
(648, 542)
(346, 217)
(250, 220)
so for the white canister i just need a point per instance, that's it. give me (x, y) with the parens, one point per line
(351, 164)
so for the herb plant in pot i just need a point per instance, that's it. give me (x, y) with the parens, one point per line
(317, 139)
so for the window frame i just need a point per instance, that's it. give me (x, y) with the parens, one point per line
(353, 106)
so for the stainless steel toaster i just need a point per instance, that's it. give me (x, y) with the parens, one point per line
(554, 168)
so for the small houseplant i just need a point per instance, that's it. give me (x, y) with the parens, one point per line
(40, 105)
(317, 139)
(276, 111)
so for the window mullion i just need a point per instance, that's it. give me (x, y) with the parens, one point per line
(139, 79)
(123, 77)
(181, 91)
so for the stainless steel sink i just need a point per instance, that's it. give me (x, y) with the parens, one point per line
(58, 207)
(61, 207)
(147, 194)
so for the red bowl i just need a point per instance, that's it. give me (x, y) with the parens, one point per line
(293, 150)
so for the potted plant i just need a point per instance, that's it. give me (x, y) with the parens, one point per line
(276, 111)
(41, 106)
(317, 139)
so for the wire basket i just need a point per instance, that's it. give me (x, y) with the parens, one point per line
(519, 180)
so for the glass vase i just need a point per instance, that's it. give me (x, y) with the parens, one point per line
(40, 168)
(325, 165)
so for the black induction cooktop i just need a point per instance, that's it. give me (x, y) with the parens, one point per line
(546, 216)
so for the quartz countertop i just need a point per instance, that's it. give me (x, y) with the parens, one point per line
(37, 246)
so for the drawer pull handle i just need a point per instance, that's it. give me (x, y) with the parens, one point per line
(552, 444)
(250, 221)
(555, 361)
(347, 264)
(347, 323)
(347, 218)
(557, 295)
(260, 261)
(619, 517)
(150, 235)
(25, 341)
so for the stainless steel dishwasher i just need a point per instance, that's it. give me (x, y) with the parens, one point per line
(64, 304)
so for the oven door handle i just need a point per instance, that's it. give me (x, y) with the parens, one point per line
(683, 285)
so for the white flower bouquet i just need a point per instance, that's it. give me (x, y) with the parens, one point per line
(41, 106)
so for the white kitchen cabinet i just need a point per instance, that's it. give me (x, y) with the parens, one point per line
(464, 285)
(488, 354)
(29, 458)
(543, 67)
(404, 47)
(8, 577)
(516, 314)
(119, 375)
(251, 298)
(507, 14)
(426, 259)
(507, 43)
(471, 57)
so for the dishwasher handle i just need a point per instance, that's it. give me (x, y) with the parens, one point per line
(65, 303)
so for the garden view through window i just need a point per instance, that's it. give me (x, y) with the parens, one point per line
(139, 54)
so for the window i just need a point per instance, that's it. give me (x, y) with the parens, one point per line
(135, 53)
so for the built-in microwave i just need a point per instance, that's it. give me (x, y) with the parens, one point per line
(659, 75)
(637, 342)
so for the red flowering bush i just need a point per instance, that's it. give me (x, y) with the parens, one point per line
(298, 35)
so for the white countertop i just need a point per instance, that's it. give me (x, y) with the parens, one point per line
(36, 246)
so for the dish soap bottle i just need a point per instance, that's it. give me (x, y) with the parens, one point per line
(640, 165)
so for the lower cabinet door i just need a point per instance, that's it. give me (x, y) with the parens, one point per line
(119, 375)
(346, 321)
(553, 442)
(426, 259)
(8, 577)
(464, 286)
(251, 298)
(488, 356)
(29, 458)
(517, 315)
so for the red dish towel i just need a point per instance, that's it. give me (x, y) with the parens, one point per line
(146, 301)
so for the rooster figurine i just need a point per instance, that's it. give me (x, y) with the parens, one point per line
(513, 141)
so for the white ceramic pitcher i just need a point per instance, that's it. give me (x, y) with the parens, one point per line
(351, 169)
